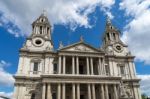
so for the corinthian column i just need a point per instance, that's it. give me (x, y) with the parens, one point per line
(87, 64)
(102, 91)
(89, 91)
(64, 91)
(77, 65)
(106, 91)
(78, 91)
(43, 91)
(59, 67)
(92, 72)
(115, 92)
(59, 91)
(73, 65)
(49, 93)
(99, 70)
(93, 91)
(73, 91)
(64, 64)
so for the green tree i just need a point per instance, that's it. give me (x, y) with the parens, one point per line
(144, 96)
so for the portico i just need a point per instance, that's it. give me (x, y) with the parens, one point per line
(79, 91)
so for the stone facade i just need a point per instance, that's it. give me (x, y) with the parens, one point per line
(77, 71)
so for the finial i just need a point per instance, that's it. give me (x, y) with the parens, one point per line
(108, 20)
(60, 45)
(81, 38)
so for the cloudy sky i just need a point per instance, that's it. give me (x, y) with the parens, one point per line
(71, 19)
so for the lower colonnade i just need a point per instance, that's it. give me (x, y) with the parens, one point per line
(79, 91)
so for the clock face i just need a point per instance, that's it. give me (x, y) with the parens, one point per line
(118, 47)
(38, 41)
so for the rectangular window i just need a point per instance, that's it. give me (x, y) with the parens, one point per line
(35, 68)
(81, 69)
(107, 69)
(55, 68)
(122, 70)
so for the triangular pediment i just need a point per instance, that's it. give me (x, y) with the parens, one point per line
(80, 47)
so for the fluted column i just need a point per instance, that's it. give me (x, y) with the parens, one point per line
(77, 65)
(64, 91)
(106, 91)
(115, 92)
(102, 91)
(87, 64)
(73, 65)
(73, 91)
(59, 67)
(91, 61)
(93, 91)
(59, 91)
(49, 93)
(89, 91)
(64, 64)
(78, 91)
(43, 91)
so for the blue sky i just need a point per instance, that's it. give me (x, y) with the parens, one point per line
(70, 20)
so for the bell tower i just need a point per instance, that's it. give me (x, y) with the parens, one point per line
(112, 43)
(111, 34)
(42, 27)
(40, 38)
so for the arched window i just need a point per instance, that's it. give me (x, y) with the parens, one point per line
(40, 29)
(114, 36)
(47, 30)
(108, 36)
(35, 67)
(33, 96)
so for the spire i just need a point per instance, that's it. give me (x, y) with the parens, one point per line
(108, 21)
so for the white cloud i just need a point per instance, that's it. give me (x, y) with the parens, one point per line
(137, 31)
(72, 12)
(8, 95)
(145, 84)
(6, 79)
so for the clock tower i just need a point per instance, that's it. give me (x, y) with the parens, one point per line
(40, 39)
(112, 43)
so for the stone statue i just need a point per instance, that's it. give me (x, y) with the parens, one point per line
(124, 91)
(60, 45)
